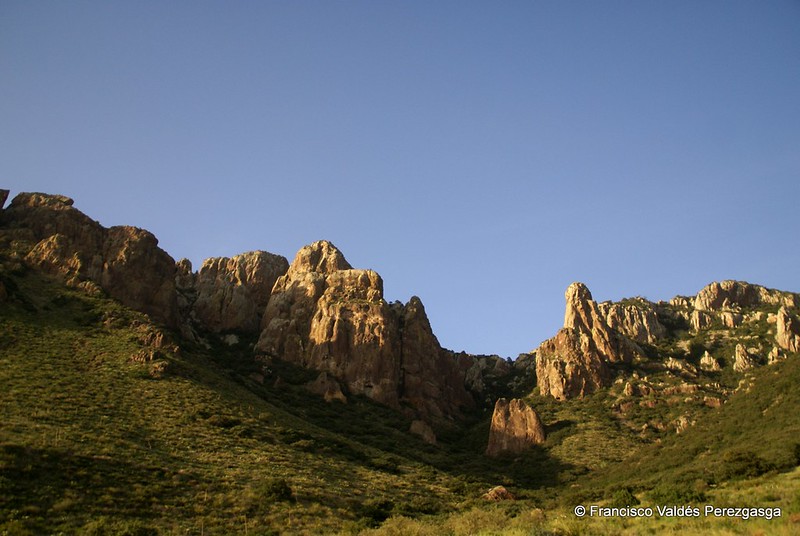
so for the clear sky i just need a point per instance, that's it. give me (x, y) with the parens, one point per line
(481, 155)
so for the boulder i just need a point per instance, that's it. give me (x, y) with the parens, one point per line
(787, 334)
(327, 387)
(498, 493)
(515, 428)
(423, 430)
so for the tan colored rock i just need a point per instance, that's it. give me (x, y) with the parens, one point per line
(568, 366)
(232, 293)
(787, 334)
(742, 360)
(328, 388)
(584, 316)
(639, 322)
(733, 295)
(775, 355)
(515, 428)
(700, 320)
(326, 316)
(497, 494)
(575, 361)
(125, 261)
(731, 320)
(423, 430)
(708, 363)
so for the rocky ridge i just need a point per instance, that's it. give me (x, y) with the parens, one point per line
(327, 316)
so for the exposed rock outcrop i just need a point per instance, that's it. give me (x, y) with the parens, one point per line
(515, 428)
(575, 361)
(232, 293)
(125, 262)
(3, 197)
(742, 359)
(787, 331)
(708, 363)
(327, 316)
(328, 388)
(636, 320)
(733, 295)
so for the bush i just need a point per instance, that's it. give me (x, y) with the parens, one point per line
(622, 498)
(677, 494)
(275, 490)
(743, 464)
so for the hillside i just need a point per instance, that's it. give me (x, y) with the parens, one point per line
(258, 396)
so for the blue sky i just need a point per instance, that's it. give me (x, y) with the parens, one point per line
(480, 155)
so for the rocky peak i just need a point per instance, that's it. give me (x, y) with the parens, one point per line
(734, 295)
(3, 197)
(515, 428)
(637, 320)
(575, 361)
(320, 257)
(327, 316)
(124, 261)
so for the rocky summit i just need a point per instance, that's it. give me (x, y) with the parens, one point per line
(327, 316)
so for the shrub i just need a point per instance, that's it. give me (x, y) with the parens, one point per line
(678, 493)
(623, 497)
(743, 464)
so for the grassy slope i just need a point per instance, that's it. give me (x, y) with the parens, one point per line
(88, 433)
(91, 442)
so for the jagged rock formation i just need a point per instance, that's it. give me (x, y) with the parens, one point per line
(575, 362)
(497, 494)
(707, 362)
(742, 359)
(637, 320)
(231, 294)
(327, 316)
(515, 428)
(787, 331)
(125, 262)
(733, 295)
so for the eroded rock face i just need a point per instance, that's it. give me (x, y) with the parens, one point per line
(232, 293)
(707, 362)
(584, 316)
(638, 321)
(575, 361)
(125, 262)
(3, 197)
(733, 295)
(742, 360)
(327, 316)
(568, 366)
(515, 428)
(787, 334)
(328, 388)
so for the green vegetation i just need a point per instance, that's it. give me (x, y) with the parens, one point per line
(97, 440)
